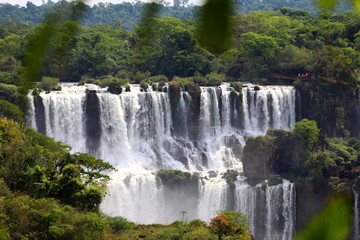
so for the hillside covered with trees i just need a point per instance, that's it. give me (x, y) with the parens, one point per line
(129, 14)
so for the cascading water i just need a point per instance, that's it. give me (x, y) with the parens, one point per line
(356, 221)
(275, 204)
(135, 131)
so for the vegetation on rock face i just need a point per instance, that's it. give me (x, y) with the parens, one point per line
(307, 133)
(303, 152)
(319, 166)
(237, 86)
(230, 176)
(49, 84)
(257, 154)
(173, 178)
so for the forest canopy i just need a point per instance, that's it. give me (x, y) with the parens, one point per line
(263, 46)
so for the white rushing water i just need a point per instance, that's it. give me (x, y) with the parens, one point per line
(135, 131)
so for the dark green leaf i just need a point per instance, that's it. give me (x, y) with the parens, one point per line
(215, 23)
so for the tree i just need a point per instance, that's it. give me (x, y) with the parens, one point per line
(307, 133)
(230, 223)
(40, 167)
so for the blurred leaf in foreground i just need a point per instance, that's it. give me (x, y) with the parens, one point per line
(327, 4)
(215, 23)
(40, 42)
(151, 10)
(356, 4)
(330, 4)
(333, 223)
(38, 50)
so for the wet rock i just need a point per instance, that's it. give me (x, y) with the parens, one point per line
(204, 159)
(115, 88)
(212, 174)
(256, 88)
(199, 168)
(231, 141)
(88, 91)
(184, 160)
(127, 180)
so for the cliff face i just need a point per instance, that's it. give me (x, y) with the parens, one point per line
(326, 167)
(335, 107)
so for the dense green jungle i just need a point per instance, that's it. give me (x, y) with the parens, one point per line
(47, 192)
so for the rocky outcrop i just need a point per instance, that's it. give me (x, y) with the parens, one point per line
(258, 155)
(335, 107)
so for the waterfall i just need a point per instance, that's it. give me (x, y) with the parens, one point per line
(213, 198)
(356, 233)
(139, 197)
(64, 116)
(271, 106)
(273, 204)
(136, 132)
(30, 115)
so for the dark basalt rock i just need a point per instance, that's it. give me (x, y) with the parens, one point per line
(256, 88)
(257, 158)
(88, 91)
(212, 174)
(115, 88)
(204, 159)
(184, 161)
(232, 142)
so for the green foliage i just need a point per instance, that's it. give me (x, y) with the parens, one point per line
(338, 186)
(47, 219)
(41, 167)
(119, 224)
(49, 84)
(307, 132)
(263, 44)
(198, 233)
(127, 88)
(158, 78)
(115, 84)
(154, 86)
(144, 86)
(316, 163)
(341, 151)
(112, 82)
(173, 178)
(91, 226)
(230, 223)
(237, 86)
(185, 231)
(257, 154)
(198, 79)
(231, 175)
(10, 111)
(274, 180)
(197, 223)
(8, 92)
(214, 79)
(160, 86)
